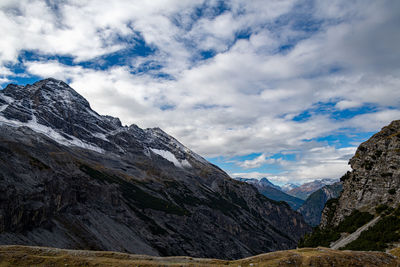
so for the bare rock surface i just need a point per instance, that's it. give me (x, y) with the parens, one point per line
(374, 179)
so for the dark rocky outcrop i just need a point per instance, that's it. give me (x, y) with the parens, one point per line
(374, 179)
(71, 178)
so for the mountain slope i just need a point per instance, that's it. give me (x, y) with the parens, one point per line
(304, 190)
(315, 203)
(273, 192)
(71, 178)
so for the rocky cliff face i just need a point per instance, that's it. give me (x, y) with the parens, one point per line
(374, 179)
(71, 178)
(315, 203)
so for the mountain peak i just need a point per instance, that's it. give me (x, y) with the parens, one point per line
(51, 80)
(51, 107)
(46, 92)
(264, 181)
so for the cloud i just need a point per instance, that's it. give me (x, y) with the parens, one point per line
(346, 104)
(257, 162)
(226, 78)
(33, 25)
(322, 162)
(314, 163)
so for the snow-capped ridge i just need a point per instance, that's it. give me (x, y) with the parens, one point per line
(51, 133)
(51, 107)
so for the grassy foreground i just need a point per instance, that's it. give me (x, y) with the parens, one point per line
(43, 256)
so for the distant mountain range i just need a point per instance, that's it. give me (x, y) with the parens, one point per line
(263, 182)
(298, 196)
(271, 191)
(306, 189)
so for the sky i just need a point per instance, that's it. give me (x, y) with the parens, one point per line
(283, 89)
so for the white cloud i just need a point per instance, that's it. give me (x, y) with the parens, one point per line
(321, 162)
(256, 162)
(374, 121)
(241, 101)
(313, 163)
(346, 104)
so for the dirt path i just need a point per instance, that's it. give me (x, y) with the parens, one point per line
(350, 238)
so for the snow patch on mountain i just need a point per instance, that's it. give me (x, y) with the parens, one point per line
(158, 134)
(51, 133)
(7, 101)
(100, 136)
(3, 107)
(171, 157)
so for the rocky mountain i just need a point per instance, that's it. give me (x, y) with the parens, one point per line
(315, 203)
(71, 178)
(306, 189)
(268, 189)
(264, 182)
(366, 216)
(289, 186)
(374, 179)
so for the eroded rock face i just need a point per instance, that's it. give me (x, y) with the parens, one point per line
(71, 178)
(374, 179)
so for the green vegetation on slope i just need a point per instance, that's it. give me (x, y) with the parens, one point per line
(377, 237)
(323, 237)
(133, 193)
